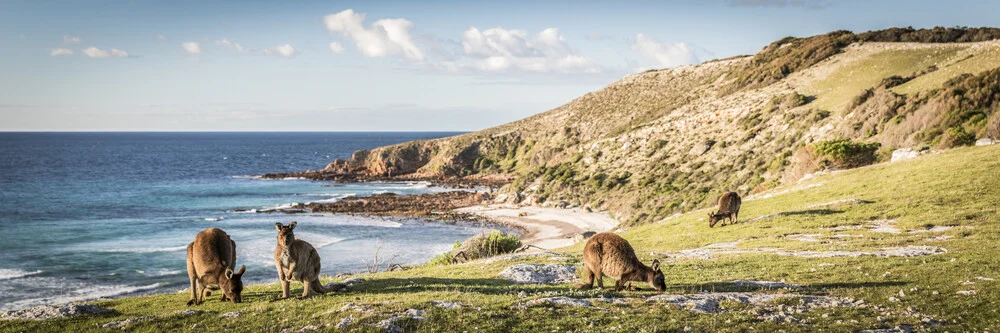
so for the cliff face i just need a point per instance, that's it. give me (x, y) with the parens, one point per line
(666, 141)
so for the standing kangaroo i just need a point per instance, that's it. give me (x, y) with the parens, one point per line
(729, 207)
(211, 258)
(296, 260)
(609, 254)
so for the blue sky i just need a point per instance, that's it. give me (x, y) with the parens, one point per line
(398, 66)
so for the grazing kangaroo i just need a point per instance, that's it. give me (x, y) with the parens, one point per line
(296, 260)
(729, 208)
(609, 254)
(211, 258)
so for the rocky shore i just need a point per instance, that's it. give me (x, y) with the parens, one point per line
(492, 181)
(424, 205)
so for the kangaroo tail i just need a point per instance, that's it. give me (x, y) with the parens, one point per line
(317, 287)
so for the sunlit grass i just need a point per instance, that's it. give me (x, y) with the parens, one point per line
(959, 188)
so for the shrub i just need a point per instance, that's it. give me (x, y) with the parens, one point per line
(483, 245)
(843, 153)
(956, 137)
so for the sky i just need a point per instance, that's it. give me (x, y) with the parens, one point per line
(378, 66)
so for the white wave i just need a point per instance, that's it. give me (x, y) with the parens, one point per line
(248, 211)
(7, 274)
(247, 176)
(81, 293)
(161, 272)
(145, 249)
(214, 219)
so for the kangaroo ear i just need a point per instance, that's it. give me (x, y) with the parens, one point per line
(292, 225)
(656, 264)
(277, 225)
(243, 269)
(229, 273)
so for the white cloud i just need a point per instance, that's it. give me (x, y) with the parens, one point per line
(191, 47)
(665, 55)
(500, 49)
(161, 37)
(284, 51)
(336, 48)
(60, 52)
(386, 37)
(67, 39)
(232, 46)
(94, 52)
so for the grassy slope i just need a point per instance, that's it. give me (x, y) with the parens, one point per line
(959, 187)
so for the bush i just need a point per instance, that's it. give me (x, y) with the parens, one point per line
(483, 245)
(957, 137)
(843, 153)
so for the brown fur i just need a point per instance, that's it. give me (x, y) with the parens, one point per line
(296, 260)
(729, 208)
(211, 258)
(607, 254)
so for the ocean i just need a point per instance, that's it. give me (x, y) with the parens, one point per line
(91, 215)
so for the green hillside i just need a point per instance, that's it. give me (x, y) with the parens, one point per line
(803, 233)
(670, 141)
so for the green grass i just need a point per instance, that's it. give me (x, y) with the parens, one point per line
(982, 59)
(959, 187)
(836, 90)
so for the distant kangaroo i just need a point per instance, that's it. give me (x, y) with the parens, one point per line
(296, 260)
(729, 207)
(211, 258)
(609, 254)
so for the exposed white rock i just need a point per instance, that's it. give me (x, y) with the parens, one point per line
(903, 154)
(559, 301)
(540, 274)
(44, 312)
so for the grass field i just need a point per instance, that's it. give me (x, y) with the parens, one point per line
(836, 91)
(947, 200)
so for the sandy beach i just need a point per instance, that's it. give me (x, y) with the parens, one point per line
(547, 228)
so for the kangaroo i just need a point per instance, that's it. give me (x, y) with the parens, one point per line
(296, 260)
(609, 254)
(211, 258)
(729, 208)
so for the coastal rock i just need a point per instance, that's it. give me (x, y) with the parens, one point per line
(45, 312)
(904, 154)
(897, 329)
(127, 322)
(233, 314)
(539, 274)
(559, 301)
(344, 323)
(447, 304)
(583, 236)
(392, 204)
(709, 302)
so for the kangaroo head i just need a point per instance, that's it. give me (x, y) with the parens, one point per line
(656, 280)
(285, 234)
(712, 220)
(232, 285)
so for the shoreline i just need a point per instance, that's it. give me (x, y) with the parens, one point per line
(545, 228)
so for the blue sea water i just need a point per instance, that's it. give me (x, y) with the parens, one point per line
(89, 215)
